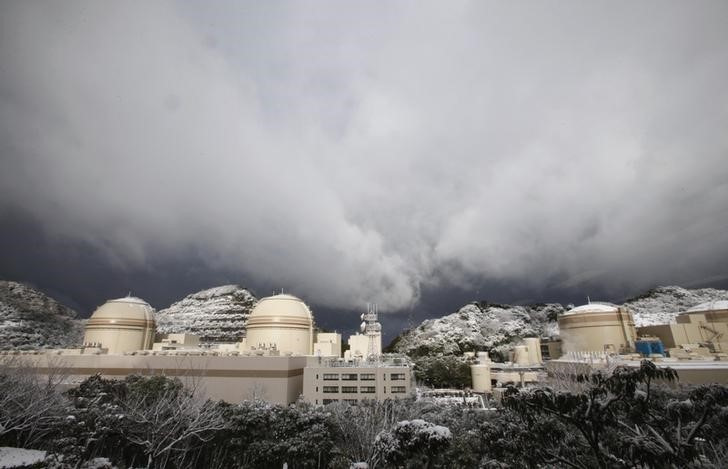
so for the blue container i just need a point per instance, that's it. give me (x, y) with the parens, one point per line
(647, 347)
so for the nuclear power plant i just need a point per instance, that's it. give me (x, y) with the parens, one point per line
(284, 358)
(281, 350)
(599, 336)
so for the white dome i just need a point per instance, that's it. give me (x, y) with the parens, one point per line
(709, 306)
(593, 308)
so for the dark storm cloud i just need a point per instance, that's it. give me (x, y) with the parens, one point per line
(354, 154)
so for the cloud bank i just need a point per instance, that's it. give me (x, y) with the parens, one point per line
(360, 152)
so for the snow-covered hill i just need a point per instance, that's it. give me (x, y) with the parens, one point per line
(31, 319)
(479, 326)
(660, 305)
(216, 315)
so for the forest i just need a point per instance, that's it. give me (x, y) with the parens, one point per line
(630, 418)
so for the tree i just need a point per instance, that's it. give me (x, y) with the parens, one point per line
(617, 422)
(28, 404)
(412, 443)
(443, 372)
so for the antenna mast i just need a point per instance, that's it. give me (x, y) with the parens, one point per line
(373, 330)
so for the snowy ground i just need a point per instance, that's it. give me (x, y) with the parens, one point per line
(18, 457)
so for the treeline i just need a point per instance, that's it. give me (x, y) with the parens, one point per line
(626, 419)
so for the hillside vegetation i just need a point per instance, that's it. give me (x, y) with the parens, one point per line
(31, 319)
(215, 315)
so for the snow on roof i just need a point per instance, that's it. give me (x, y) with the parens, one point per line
(593, 308)
(282, 296)
(130, 299)
(709, 306)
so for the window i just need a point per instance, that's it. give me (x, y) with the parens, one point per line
(349, 377)
(329, 401)
(367, 377)
(330, 389)
(398, 389)
(331, 376)
(397, 376)
(348, 389)
(367, 389)
(351, 401)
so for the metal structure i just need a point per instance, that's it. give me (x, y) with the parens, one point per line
(371, 327)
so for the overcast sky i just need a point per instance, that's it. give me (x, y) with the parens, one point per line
(354, 152)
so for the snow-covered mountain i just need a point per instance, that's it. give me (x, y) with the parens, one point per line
(478, 326)
(216, 315)
(660, 305)
(31, 319)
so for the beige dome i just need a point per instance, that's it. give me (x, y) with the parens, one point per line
(281, 307)
(129, 308)
(122, 325)
(283, 322)
(597, 327)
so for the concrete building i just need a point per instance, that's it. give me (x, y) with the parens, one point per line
(229, 376)
(283, 323)
(702, 327)
(177, 342)
(525, 367)
(597, 327)
(121, 325)
(328, 344)
(327, 380)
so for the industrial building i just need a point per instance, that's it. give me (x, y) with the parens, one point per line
(281, 347)
(364, 373)
(704, 326)
(121, 325)
(601, 336)
(597, 327)
(280, 322)
(332, 380)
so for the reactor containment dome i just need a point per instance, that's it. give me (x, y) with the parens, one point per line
(121, 325)
(281, 322)
(597, 327)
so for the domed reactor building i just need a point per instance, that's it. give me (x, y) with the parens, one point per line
(121, 325)
(283, 323)
(597, 327)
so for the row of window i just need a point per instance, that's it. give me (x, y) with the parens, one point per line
(360, 377)
(361, 389)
